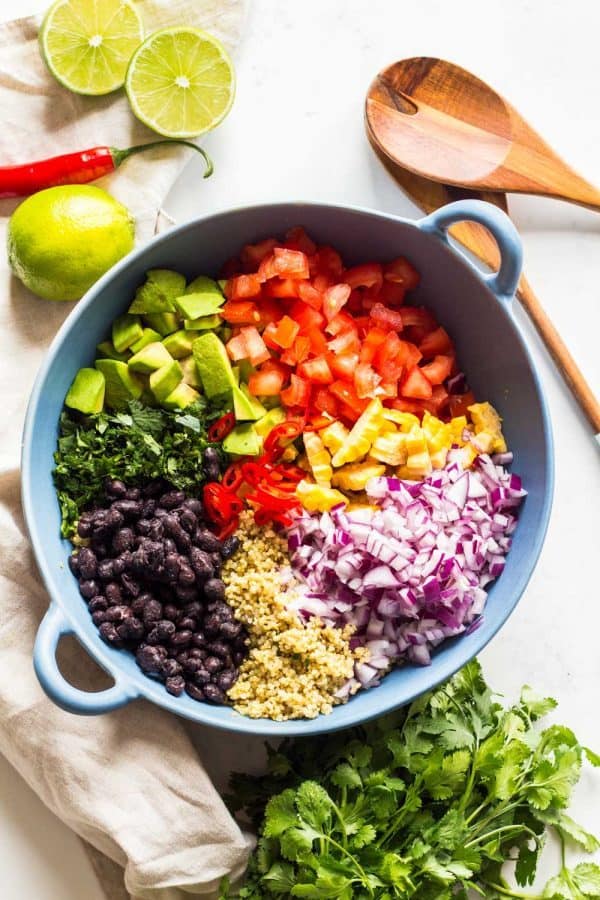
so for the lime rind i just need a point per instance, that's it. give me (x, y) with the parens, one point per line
(87, 44)
(181, 82)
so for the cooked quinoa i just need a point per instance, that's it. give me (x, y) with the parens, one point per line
(294, 668)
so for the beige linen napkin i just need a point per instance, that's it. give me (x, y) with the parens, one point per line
(129, 783)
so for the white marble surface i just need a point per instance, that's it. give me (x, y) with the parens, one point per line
(296, 133)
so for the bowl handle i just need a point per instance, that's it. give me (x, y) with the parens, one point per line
(504, 282)
(53, 626)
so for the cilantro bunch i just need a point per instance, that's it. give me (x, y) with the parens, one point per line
(429, 803)
(138, 444)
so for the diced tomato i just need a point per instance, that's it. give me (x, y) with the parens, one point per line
(243, 312)
(318, 341)
(347, 395)
(298, 393)
(334, 299)
(392, 293)
(388, 389)
(325, 402)
(438, 400)
(385, 350)
(258, 352)
(415, 385)
(374, 338)
(306, 316)
(417, 315)
(270, 310)
(408, 354)
(310, 294)
(366, 380)
(343, 364)
(266, 269)
(348, 414)
(267, 382)
(339, 323)
(297, 239)
(242, 287)
(402, 272)
(367, 275)
(231, 267)
(298, 352)
(328, 262)
(458, 404)
(291, 263)
(286, 331)
(321, 283)
(237, 348)
(438, 370)
(346, 342)
(405, 405)
(253, 254)
(268, 336)
(281, 288)
(387, 318)
(435, 343)
(316, 370)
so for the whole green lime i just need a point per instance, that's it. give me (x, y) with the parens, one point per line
(61, 240)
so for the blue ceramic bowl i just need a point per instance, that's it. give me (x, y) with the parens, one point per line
(475, 309)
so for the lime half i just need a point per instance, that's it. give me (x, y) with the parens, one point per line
(180, 82)
(87, 44)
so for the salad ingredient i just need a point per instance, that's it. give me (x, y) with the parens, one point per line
(158, 293)
(76, 168)
(243, 440)
(293, 668)
(151, 578)
(150, 358)
(180, 82)
(134, 445)
(87, 44)
(219, 430)
(126, 330)
(182, 397)
(428, 802)
(213, 365)
(61, 240)
(121, 384)
(86, 394)
(164, 380)
(412, 570)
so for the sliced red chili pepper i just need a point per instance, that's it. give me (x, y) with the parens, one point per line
(229, 529)
(220, 504)
(232, 477)
(281, 436)
(270, 500)
(219, 430)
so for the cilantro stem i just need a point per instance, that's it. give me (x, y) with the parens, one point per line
(504, 828)
(355, 862)
(508, 892)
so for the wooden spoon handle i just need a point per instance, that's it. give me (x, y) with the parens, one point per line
(561, 355)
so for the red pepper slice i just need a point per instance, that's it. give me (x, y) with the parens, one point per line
(229, 529)
(271, 500)
(281, 436)
(220, 504)
(219, 430)
(232, 477)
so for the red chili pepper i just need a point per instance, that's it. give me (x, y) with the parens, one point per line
(227, 530)
(76, 168)
(219, 430)
(281, 436)
(232, 477)
(270, 500)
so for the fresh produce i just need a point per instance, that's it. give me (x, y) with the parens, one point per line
(76, 168)
(61, 240)
(151, 579)
(428, 803)
(87, 44)
(133, 445)
(180, 82)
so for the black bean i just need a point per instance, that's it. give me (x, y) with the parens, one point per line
(89, 589)
(122, 563)
(214, 693)
(201, 563)
(160, 513)
(99, 617)
(114, 518)
(132, 586)
(115, 488)
(183, 541)
(74, 564)
(165, 629)
(133, 493)
(199, 640)
(186, 594)
(211, 464)
(171, 499)
(181, 639)
(169, 545)
(154, 488)
(216, 558)
(229, 546)
(149, 659)
(88, 564)
(186, 576)
(99, 548)
(153, 611)
(226, 680)
(175, 685)
(122, 540)
(131, 629)
(172, 566)
(170, 611)
(201, 676)
(194, 505)
(84, 528)
(171, 668)
(117, 614)
(98, 603)
(148, 507)
(191, 665)
(214, 589)
(212, 624)
(108, 633)
(106, 570)
(219, 648)
(213, 664)
(195, 692)
(113, 592)
(192, 609)
(131, 509)
(156, 530)
(206, 540)
(197, 653)
(186, 623)
(230, 630)
(238, 657)
(188, 521)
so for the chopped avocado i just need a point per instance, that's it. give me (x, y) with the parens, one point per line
(245, 407)
(190, 372)
(86, 394)
(204, 323)
(121, 384)
(269, 421)
(150, 358)
(164, 323)
(213, 364)
(126, 330)
(158, 292)
(181, 397)
(149, 336)
(193, 306)
(164, 380)
(106, 350)
(204, 285)
(243, 441)
(179, 344)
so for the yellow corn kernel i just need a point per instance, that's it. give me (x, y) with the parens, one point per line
(318, 458)
(404, 420)
(485, 418)
(390, 448)
(317, 498)
(354, 477)
(363, 433)
(334, 436)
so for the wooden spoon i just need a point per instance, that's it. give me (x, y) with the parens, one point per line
(429, 196)
(441, 122)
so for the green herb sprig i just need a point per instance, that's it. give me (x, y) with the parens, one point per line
(428, 803)
(138, 443)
